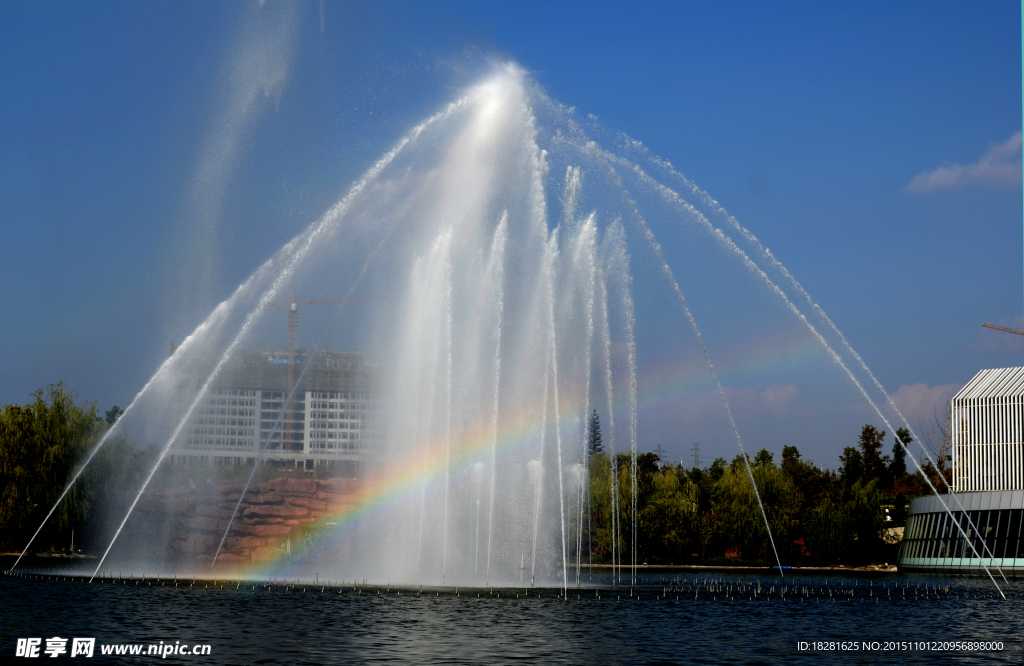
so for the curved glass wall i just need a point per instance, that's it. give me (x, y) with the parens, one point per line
(937, 540)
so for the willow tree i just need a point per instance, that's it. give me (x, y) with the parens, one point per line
(847, 531)
(601, 507)
(41, 444)
(743, 524)
(668, 520)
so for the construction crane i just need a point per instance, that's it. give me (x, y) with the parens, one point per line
(293, 323)
(1018, 331)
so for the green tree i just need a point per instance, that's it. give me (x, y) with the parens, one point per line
(601, 506)
(742, 522)
(112, 415)
(870, 444)
(40, 446)
(851, 466)
(716, 469)
(666, 519)
(898, 467)
(826, 531)
(594, 445)
(847, 532)
(764, 458)
(812, 483)
(707, 529)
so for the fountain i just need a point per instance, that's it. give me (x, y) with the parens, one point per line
(511, 236)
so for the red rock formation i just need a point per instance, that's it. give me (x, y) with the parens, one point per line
(268, 515)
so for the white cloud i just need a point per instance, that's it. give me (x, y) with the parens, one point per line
(919, 402)
(777, 397)
(775, 400)
(1000, 167)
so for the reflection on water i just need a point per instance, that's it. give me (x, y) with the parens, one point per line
(735, 619)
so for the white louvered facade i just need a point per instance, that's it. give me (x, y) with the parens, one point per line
(988, 432)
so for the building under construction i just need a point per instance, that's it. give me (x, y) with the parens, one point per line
(335, 415)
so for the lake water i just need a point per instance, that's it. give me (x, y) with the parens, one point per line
(717, 619)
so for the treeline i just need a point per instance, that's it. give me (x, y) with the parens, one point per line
(711, 515)
(701, 515)
(42, 443)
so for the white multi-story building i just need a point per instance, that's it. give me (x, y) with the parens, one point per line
(988, 432)
(335, 417)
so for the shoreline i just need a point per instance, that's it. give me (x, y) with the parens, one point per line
(65, 556)
(881, 568)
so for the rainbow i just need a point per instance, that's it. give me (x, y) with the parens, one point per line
(406, 480)
(666, 386)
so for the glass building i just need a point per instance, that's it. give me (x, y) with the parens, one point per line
(938, 540)
(981, 523)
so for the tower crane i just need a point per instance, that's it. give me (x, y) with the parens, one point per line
(293, 323)
(1018, 331)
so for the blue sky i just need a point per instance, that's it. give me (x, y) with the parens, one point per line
(809, 122)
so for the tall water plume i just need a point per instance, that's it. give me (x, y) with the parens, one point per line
(496, 293)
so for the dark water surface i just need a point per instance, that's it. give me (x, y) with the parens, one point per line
(274, 624)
